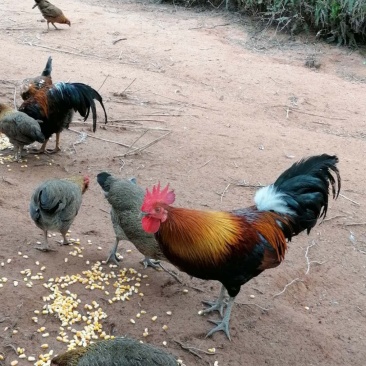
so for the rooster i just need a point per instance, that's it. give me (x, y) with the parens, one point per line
(125, 198)
(39, 82)
(117, 352)
(19, 128)
(55, 105)
(55, 204)
(234, 247)
(51, 13)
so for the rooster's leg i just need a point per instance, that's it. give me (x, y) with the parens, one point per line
(223, 324)
(113, 254)
(42, 150)
(148, 262)
(217, 305)
(57, 147)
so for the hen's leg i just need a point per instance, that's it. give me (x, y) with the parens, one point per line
(217, 305)
(64, 241)
(54, 25)
(223, 324)
(113, 254)
(18, 153)
(45, 246)
(57, 147)
(149, 262)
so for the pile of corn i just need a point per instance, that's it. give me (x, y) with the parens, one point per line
(80, 322)
(4, 144)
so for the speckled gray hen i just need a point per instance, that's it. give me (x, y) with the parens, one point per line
(55, 204)
(20, 129)
(116, 352)
(125, 198)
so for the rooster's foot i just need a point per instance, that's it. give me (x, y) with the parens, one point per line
(221, 325)
(113, 257)
(214, 306)
(37, 151)
(54, 151)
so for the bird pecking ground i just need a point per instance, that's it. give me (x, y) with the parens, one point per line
(200, 100)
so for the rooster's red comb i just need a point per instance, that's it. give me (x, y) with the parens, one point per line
(157, 196)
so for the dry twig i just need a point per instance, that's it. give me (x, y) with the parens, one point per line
(119, 39)
(334, 217)
(193, 349)
(129, 149)
(140, 149)
(285, 288)
(356, 203)
(312, 114)
(99, 138)
(224, 191)
(355, 224)
(104, 81)
(308, 261)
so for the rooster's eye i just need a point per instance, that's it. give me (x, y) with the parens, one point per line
(157, 209)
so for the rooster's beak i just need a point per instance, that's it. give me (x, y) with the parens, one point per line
(143, 214)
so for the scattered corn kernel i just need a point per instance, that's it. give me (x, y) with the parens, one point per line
(132, 321)
(185, 291)
(169, 312)
(14, 363)
(154, 318)
(212, 350)
(165, 327)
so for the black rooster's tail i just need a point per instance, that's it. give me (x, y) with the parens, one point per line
(302, 191)
(103, 181)
(48, 69)
(77, 96)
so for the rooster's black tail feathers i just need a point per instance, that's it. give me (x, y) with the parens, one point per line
(48, 69)
(305, 188)
(80, 97)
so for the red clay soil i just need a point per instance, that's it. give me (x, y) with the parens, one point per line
(240, 107)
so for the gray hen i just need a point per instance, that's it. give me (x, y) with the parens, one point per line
(19, 128)
(115, 352)
(55, 204)
(125, 198)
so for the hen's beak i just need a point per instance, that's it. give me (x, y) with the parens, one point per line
(143, 214)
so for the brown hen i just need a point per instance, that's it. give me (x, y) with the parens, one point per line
(51, 13)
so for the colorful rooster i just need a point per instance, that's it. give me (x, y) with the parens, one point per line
(234, 247)
(55, 105)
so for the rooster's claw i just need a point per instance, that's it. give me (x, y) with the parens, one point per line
(221, 325)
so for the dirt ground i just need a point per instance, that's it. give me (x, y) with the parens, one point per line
(225, 109)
